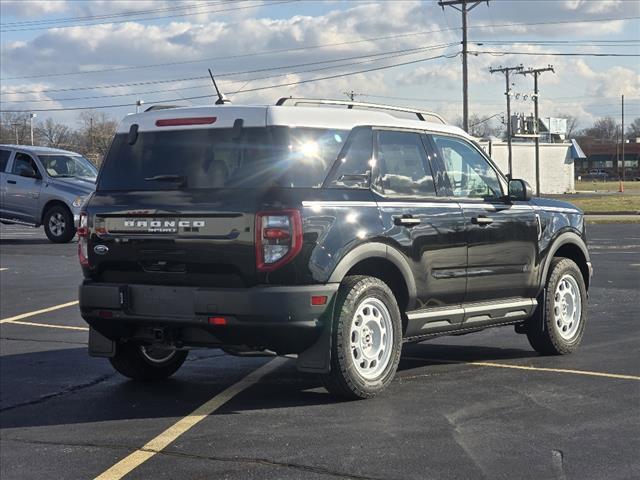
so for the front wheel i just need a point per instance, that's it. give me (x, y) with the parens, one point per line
(58, 224)
(557, 326)
(366, 339)
(145, 363)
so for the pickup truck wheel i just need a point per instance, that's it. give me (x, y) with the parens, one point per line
(58, 224)
(557, 326)
(146, 363)
(367, 339)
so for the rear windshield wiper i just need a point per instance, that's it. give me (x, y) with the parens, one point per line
(180, 179)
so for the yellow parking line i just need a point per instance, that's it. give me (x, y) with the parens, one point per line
(38, 312)
(159, 443)
(48, 325)
(524, 367)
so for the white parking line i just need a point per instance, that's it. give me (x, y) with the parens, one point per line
(48, 325)
(38, 312)
(3, 269)
(162, 441)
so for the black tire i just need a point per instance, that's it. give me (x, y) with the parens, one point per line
(543, 328)
(131, 362)
(344, 379)
(58, 224)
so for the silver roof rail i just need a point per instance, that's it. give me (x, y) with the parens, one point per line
(421, 114)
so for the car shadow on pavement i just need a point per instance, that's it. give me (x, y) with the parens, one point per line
(26, 241)
(59, 387)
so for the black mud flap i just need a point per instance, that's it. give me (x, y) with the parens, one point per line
(317, 358)
(99, 345)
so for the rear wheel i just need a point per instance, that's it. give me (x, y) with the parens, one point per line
(367, 339)
(58, 224)
(153, 362)
(558, 324)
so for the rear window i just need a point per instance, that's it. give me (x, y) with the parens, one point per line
(221, 158)
(4, 159)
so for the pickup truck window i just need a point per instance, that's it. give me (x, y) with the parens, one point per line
(222, 158)
(4, 159)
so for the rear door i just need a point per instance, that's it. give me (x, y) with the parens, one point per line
(502, 236)
(22, 195)
(428, 230)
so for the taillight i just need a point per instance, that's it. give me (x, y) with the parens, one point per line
(278, 238)
(83, 239)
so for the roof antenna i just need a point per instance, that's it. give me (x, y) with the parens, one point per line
(221, 98)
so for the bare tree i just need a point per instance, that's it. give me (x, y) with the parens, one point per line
(52, 134)
(14, 128)
(482, 126)
(605, 130)
(95, 134)
(634, 129)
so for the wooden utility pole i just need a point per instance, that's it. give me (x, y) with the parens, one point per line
(465, 6)
(536, 72)
(622, 137)
(506, 71)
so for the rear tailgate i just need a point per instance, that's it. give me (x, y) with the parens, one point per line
(197, 238)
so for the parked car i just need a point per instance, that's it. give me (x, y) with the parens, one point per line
(44, 186)
(597, 174)
(334, 235)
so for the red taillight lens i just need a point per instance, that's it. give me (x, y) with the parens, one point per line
(278, 238)
(83, 239)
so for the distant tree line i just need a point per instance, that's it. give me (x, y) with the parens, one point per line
(91, 137)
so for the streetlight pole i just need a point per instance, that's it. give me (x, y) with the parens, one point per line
(31, 117)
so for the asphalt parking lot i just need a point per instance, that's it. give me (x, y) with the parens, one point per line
(476, 406)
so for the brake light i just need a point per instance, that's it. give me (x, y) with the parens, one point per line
(173, 122)
(278, 238)
(83, 239)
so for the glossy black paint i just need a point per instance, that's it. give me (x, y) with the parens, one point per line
(446, 258)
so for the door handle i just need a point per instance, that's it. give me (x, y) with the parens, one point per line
(482, 220)
(12, 182)
(406, 221)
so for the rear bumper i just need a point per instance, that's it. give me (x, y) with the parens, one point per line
(279, 318)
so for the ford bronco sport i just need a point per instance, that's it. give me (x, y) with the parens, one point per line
(331, 230)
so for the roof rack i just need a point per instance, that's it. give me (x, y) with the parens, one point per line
(421, 114)
(161, 107)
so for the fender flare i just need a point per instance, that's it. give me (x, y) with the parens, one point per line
(563, 239)
(376, 250)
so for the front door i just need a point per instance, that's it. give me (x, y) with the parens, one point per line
(429, 231)
(22, 195)
(502, 236)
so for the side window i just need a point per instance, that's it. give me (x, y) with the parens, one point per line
(23, 162)
(403, 167)
(470, 174)
(4, 159)
(354, 166)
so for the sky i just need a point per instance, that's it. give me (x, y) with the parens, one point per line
(54, 53)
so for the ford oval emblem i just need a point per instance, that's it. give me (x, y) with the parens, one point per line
(101, 249)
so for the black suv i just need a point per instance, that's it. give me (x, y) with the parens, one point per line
(336, 234)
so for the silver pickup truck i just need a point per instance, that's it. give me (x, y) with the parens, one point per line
(44, 186)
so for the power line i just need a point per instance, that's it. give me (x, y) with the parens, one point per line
(227, 74)
(553, 54)
(148, 18)
(288, 50)
(110, 15)
(387, 55)
(287, 84)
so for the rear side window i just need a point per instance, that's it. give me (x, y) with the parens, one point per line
(353, 170)
(222, 158)
(4, 159)
(402, 163)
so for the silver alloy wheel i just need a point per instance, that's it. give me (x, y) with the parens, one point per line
(57, 224)
(567, 307)
(371, 338)
(157, 354)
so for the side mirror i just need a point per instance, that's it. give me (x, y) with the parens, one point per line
(520, 190)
